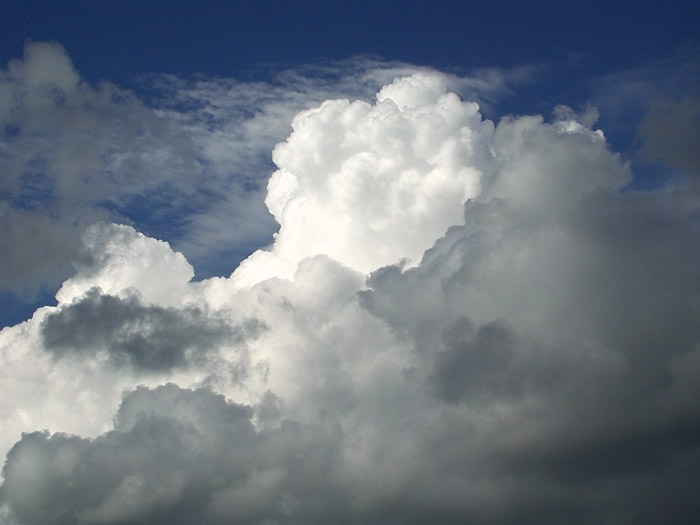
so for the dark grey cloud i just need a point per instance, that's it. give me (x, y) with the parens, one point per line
(473, 360)
(183, 456)
(175, 456)
(148, 337)
(563, 308)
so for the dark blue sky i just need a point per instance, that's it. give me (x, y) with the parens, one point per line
(118, 40)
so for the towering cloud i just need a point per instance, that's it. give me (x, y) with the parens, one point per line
(458, 321)
(192, 169)
(370, 185)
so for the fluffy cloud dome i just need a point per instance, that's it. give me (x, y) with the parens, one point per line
(370, 185)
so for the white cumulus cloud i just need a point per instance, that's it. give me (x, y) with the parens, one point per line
(459, 320)
(369, 185)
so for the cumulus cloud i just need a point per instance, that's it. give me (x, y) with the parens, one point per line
(466, 321)
(190, 167)
(166, 444)
(369, 185)
(235, 125)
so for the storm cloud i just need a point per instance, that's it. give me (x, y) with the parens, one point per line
(147, 337)
(174, 456)
(459, 320)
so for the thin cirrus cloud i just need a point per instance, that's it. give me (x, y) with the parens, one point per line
(459, 320)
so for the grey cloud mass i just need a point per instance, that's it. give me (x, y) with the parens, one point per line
(536, 361)
(177, 456)
(671, 133)
(148, 337)
(600, 292)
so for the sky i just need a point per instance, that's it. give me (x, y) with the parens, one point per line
(350, 262)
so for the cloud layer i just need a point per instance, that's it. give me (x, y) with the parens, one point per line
(458, 321)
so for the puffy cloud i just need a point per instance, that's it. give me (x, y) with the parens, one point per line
(540, 349)
(236, 124)
(165, 444)
(581, 300)
(129, 303)
(178, 456)
(191, 167)
(369, 185)
(117, 258)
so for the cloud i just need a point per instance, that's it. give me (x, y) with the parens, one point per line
(471, 359)
(621, 93)
(71, 155)
(137, 462)
(580, 298)
(147, 337)
(670, 132)
(540, 348)
(628, 100)
(175, 455)
(191, 166)
(235, 124)
(361, 183)
(118, 259)
(37, 249)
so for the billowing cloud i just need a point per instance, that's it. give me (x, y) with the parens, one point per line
(369, 185)
(166, 444)
(191, 168)
(145, 336)
(465, 321)
(236, 124)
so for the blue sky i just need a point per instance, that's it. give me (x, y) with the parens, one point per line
(577, 41)
(125, 38)
(349, 261)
